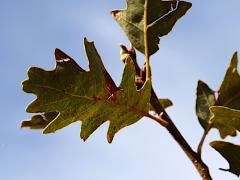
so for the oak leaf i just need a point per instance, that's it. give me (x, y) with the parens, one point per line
(162, 16)
(87, 96)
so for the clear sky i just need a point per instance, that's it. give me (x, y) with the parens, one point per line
(199, 47)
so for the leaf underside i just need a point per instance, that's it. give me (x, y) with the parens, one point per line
(162, 17)
(205, 99)
(68, 94)
(231, 153)
(226, 120)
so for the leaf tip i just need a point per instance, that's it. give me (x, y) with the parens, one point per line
(110, 136)
(24, 86)
(186, 5)
(25, 82)
(189, 4)
(23, 124)
(114, 13)
(200, 82)
(235, 53)
(166, 103)
(57, 53)
(234, 60)
(109, 139)
(60, 56)
(83, 136)
(86, 41)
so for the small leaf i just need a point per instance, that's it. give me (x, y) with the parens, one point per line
(231, 153)
(162, 17)
(229, 92)
(226, 120)
(164, 102)
(205, 99)
(89, 96)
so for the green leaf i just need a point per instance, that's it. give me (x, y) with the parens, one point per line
(231, 153)
(226, 120)
(205, 99)
(89, 96)
(164, 102)
(229, 92)
(162, 17)
(223, 113)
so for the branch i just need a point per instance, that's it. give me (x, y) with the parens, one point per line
(201, 167)
(195, 158)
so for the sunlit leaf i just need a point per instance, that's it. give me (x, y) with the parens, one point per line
(165, 102)
(162, 16)
(89, 96)
(226, 120)
(229, 92)
(231, 153)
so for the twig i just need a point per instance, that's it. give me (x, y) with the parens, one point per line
(148, 71)
(166, 121)
(206, 131)
(201, 167)
(157, 119)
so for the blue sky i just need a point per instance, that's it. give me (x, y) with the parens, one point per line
(199, 47)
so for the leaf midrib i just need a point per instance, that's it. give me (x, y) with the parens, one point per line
(120, 106)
